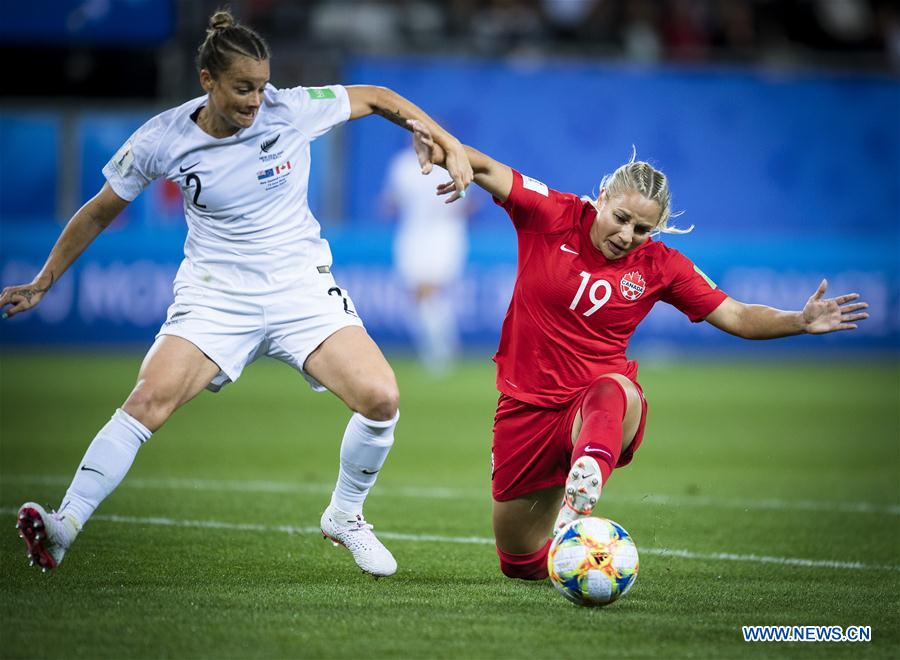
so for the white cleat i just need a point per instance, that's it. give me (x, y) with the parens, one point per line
(47, 547)
(582, 492)
(355, 534)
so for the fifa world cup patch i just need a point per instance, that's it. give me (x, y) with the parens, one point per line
(632, 285)
(123, 160)
(537, 186)
(320, 93)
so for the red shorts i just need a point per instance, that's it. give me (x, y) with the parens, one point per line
(533, 446)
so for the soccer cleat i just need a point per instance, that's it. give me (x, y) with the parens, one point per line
(355, 534)
(582, 492)
(47, 536)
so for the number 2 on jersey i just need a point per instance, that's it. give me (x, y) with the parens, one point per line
(193, 178)
(592, 293)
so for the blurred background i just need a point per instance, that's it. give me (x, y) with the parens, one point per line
(777, 122)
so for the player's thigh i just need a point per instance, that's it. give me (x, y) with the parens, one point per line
(524, 524)
(350, 364)
(173, 372)
(633, 410)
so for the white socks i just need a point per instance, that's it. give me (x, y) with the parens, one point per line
(104, 465)
(363, 451)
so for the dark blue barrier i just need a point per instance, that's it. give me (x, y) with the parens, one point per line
(29, 147)
(131, 24)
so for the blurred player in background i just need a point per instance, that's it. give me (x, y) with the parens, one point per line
(256, 279)
(429, 256)
(571, 409)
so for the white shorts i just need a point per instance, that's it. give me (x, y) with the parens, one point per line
(233, 331)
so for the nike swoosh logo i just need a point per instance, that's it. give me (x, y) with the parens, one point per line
(566, 248)
(364, 471)
(87, 469)
(589, 449)
(189, 167)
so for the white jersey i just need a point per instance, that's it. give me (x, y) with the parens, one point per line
(250, 229)
(430, 244)
(421, 210)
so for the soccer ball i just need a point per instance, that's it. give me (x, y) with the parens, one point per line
(592, 561)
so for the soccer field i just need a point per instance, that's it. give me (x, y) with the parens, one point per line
(763, 494)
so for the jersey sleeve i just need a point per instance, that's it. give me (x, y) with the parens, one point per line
(316, 110)
(135, 165)
(534, 207)
(690, 290)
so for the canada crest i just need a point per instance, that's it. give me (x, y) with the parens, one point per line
(632, 285)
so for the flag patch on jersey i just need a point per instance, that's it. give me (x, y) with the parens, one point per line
(533, 184)
(704, 276)
(632, 285)
(265, 174)
(320, 93)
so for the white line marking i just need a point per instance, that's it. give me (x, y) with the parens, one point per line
(444, 493)
(481, 540)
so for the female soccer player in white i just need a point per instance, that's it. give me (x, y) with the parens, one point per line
(256, 278)
(571, 409)
(429, 256)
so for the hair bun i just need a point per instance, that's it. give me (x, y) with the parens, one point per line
(221, 20)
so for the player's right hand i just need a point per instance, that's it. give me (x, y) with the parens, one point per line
(20, 298)
(453, 159)
(427, 151)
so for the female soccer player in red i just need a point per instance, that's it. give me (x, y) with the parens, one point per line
(571, 409)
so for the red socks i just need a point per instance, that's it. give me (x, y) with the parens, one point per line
(602, 412)
(531, 566)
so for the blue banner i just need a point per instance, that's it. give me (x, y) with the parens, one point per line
(119, 290)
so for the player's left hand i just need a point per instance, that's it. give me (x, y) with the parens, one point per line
(821, 315)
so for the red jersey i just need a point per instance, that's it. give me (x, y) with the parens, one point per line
(572, 310)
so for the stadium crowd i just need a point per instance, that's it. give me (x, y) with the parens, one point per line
(851, 33)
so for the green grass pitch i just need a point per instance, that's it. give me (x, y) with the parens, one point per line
(763, 494)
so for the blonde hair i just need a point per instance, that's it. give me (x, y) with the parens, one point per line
(643, 178)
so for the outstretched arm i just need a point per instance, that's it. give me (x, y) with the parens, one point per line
(366, 100)
(819, 316)
(495, 177)
(84, 227)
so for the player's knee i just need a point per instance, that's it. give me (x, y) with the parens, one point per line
(530, 566)
(149, 405)
(380, 401)
(611, 388)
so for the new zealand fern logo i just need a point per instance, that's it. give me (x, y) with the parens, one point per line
(268, 144)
